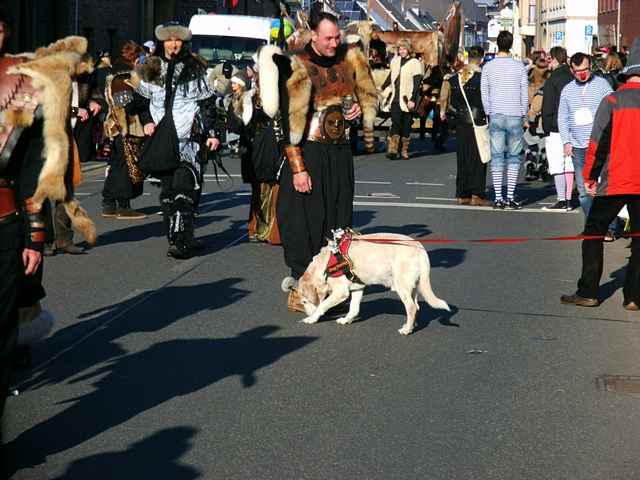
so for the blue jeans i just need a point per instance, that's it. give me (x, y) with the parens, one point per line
(579, 155)
(506, 140)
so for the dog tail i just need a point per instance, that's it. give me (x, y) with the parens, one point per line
(424, 286)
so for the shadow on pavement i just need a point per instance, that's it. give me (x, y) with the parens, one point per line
(362, 218)
(156, 456)
(393, 306)
(607, 290)
(413, 230)
(133, 383)
(143, 231)
(446, 257)
(149, 311)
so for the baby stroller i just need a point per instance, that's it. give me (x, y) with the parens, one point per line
(535, 157)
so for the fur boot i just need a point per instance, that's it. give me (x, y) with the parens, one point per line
(392, 147)
(405, 147)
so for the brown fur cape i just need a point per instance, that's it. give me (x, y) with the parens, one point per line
(51, 70)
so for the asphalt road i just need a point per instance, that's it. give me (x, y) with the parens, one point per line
(195, 369)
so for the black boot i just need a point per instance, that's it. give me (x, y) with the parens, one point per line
(184, 244)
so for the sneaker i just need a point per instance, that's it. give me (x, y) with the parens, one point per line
(579, 301)
(559, 205)
(631, 306)
(129, 214)
(179, 253)
(513, 205)
(499, 205)
(109, 211)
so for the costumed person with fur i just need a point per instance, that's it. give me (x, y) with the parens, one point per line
(182, 106)
(318, 90)
(35, 146)
(404, 79)
(260, 159)
(127, 119)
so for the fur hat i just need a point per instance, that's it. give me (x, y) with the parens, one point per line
(240, 78)
(171, 29)
(633, 61)
(404, 43)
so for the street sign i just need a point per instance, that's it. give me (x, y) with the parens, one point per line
(558, 36)
(588, 30)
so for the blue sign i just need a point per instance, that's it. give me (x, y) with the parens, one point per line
(588, 30)
(558, 36)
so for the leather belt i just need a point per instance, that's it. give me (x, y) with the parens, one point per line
(8, 206)
(329, 126)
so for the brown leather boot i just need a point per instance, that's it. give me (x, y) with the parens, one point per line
(405, 147)
(392, 147)
(477, 201)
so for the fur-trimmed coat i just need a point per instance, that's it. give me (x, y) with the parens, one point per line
(286, 84)
(51, 70)
(410, 75)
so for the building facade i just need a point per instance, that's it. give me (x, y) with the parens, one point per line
(572, 24)
(618, 29)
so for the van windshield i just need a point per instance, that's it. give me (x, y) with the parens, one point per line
(219, 49)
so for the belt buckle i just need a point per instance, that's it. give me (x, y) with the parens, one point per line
(332, 124)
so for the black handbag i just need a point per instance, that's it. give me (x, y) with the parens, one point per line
(160, 152)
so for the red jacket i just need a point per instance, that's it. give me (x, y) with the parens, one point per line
(613, 156)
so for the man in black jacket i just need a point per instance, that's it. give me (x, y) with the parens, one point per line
(560, 167)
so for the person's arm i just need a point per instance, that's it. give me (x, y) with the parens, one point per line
(549, 95)
(524, 92)
(485, 91)
(563, 118)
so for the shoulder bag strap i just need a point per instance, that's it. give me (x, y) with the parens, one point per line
(464, 95)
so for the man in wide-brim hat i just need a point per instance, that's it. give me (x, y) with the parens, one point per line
(176, 82)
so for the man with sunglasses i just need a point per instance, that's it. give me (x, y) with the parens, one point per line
(579, 102)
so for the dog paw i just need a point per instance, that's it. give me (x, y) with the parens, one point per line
(309, 320)
(405, 331)
(344, 321)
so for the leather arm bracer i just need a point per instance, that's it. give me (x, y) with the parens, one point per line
(35, 226)
(294, 157)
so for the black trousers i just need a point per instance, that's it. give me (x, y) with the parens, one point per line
(603, 211)
(10, 277)
(400, 121)
(472, 173)
(118, 189)
(306, 219)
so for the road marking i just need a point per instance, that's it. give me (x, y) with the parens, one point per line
(455, 207)
(211, 175)
(144, 296)
(377, 195)
(426, 184)
(82, 194)
(243, 194)
(437, 198)
(372, 182)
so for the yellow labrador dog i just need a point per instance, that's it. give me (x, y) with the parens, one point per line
(403, 266)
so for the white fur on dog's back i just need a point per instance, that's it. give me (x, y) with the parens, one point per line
(401, 249)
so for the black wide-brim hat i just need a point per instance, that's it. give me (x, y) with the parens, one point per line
(169, 30)
(633, 62)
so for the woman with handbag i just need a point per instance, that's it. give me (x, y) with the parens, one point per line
(461, 102)
(182, 106)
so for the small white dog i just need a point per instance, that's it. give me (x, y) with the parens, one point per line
(403, 266)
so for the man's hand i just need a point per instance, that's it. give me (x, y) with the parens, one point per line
(568, 150)
(302, 182)
(31, 260)
(83, 114)
(94, 107)
(411, 104)
(443, 116)
(354, 113)
(591, 187)
(149, 128)
(213, 143)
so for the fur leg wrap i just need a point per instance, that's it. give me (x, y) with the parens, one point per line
(369, 140)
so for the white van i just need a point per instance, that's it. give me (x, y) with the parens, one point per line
(234, 38)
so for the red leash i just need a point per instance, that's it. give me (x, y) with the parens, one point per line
(499, 240)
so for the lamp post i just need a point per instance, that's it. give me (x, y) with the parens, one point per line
(618, 33)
